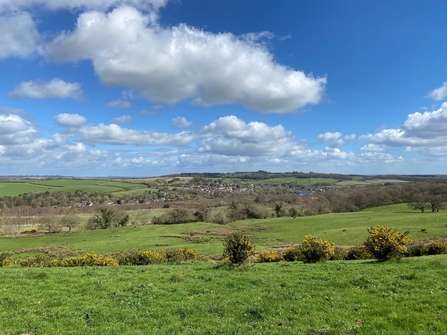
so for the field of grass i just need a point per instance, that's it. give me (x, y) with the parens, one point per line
(356, 297)
(341, 229)
(13, 189)
(94, 185)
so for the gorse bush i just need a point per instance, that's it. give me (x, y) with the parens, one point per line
(182, 255)
(431, 248)
(269, 256)
(88, 260)
(315, 250)
(292, 254)
(384, 243)
(437, 248)
(136, 257)
(237, 248)
(358, 252)
(128, 257)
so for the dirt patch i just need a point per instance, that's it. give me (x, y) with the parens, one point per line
(282, 245)
(212, 231)
(189, 238)
(253, 228)
(51, 251)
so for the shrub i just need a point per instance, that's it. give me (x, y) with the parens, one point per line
(136, 257)
(269, 256)
(384, 243)
(292, 254)
(181, 255)
(437, 248)
(315, 250)
(339, 254)
(418, 250)
(358, 252)
(88, 260)
(238, 247)
(31, 262)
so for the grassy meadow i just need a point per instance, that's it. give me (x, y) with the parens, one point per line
(13, 188)
(407, 296)
(402, 297)
(340, 228)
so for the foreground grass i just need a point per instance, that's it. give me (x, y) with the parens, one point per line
(400, 297)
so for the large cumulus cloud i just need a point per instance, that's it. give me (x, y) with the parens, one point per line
(173, 64)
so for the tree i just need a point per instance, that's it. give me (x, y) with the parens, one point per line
(419, 202)
(70, 221)
(105, 219)
(50, 224)
(436, 202)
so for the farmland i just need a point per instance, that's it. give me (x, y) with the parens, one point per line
(12, 188)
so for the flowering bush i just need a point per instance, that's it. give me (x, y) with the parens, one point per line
(437, 248)
(292, 254)
(88, 260)
(358, 252)
(384, 243)
(315, 250)
(269, 256)
(136, 257)
(238, 247)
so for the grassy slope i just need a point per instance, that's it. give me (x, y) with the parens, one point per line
(399, 298)
(341, 229)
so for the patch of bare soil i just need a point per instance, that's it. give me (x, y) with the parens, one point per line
(51, 251)
(212, 231)
(189, 238)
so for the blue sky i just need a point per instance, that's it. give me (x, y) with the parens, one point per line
(152, 87)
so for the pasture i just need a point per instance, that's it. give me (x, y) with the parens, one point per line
(206, 238)
(402, 297)
(8, 188)
(406, 296)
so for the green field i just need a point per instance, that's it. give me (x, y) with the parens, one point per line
(341, 229)
(336, 298)
(8, 188)
(13, 189)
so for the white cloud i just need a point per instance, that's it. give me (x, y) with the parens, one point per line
(373, 148)
(114, 134)
(171, 65)
(119, 104)
(15, 111)
(326, 137)
(18, 35)
(419, 130)
(16, 130)
(125, 119)
(439, 93)
(181, 122)
(13, 5)
(70, 120)
(231, 136)
(56, 88)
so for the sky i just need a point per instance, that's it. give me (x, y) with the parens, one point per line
(142, 88)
